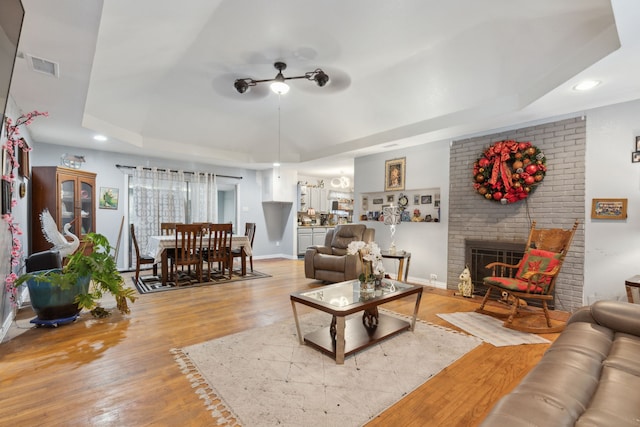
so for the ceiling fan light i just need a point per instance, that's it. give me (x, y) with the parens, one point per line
(321, 78)
(279, 87)
(241, 85)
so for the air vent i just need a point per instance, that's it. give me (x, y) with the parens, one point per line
(44, 66)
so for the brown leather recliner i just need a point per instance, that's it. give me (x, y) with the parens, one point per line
(330, 263)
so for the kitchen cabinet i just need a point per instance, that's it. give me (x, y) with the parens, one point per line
(319, 233)
(69, 195)
(318, 199)
(305, 239)
(311, 236)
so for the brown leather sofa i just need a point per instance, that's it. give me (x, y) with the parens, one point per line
(330, 263)
(590, 376)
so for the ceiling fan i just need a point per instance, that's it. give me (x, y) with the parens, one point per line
(279, 86)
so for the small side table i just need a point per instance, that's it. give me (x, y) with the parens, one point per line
(401, 256)
(633, 289)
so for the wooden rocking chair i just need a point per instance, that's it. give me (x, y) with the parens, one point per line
(533, 278)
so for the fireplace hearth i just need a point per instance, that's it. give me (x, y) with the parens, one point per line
(479, 253)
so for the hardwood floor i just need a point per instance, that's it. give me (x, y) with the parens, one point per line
(119, 371)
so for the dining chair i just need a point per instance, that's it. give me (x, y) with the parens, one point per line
(142, 259)
(218, 248)
(187, 253)
(250, 232)
(168, 228)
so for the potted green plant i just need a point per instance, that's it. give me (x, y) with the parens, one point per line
(88, 273)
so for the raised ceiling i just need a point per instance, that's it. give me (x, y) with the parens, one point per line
(157, 76)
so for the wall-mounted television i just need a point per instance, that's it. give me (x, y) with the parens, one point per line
(11, 18)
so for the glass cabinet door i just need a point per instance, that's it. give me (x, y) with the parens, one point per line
(86, 204)
(67, 202)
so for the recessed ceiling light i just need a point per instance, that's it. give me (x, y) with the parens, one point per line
(100, 138)
(586, 85)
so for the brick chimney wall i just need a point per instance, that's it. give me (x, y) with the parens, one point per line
(556, 202)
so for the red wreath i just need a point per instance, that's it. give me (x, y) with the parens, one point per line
(509, 170)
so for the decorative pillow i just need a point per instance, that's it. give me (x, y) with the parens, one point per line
(537, 260)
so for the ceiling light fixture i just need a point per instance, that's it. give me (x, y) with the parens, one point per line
(279, 85)
(100, 138)
(586, 85)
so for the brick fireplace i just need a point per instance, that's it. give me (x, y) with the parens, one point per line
(556, 203)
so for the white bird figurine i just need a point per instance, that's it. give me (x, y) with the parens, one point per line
(57, 239)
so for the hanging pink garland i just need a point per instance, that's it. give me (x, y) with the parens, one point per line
(13, 144)
(509, 170)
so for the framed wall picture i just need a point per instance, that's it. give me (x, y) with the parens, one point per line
(609, 209)
(394, 173)
(6, 162)
(108, 198)
(637, 143)
(635, 157)
(378, 201)
(425, 200)
(365, 203)
(24, 168)
(390, 198)
(416, 199)
(6, 197)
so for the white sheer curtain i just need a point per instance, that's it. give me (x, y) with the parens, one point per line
(157, 196)
(203, 197)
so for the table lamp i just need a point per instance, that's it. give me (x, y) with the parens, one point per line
(392, 218)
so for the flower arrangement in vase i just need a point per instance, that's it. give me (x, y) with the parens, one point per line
(370, 259)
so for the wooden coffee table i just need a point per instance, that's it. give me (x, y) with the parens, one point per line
(346, 336)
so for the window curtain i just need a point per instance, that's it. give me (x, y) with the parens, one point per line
(203, 192)
(157, 196)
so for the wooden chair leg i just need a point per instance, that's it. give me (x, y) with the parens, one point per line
(485, 298)
(137, 270)
(546, 313)
(514, 311)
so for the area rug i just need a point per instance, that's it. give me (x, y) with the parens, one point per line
(264, 377)
(491, 330)
(149, 283)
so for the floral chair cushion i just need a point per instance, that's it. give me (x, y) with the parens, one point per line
(534, 260)
(537, 260)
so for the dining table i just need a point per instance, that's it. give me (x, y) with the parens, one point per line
(157, 247)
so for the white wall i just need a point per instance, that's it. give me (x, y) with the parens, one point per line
(427, 166)
(612, 248)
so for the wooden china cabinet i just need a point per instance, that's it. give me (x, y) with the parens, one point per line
(70, 196)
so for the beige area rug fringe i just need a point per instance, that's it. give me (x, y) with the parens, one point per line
(222, 412)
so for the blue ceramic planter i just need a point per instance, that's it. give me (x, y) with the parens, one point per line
(52, 302)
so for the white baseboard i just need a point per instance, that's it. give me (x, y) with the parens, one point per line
(426, 282)
(272, 256)
(6, 325)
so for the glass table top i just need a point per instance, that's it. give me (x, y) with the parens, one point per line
(347, 293)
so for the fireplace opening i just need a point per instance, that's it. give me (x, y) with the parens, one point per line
(479, 253)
